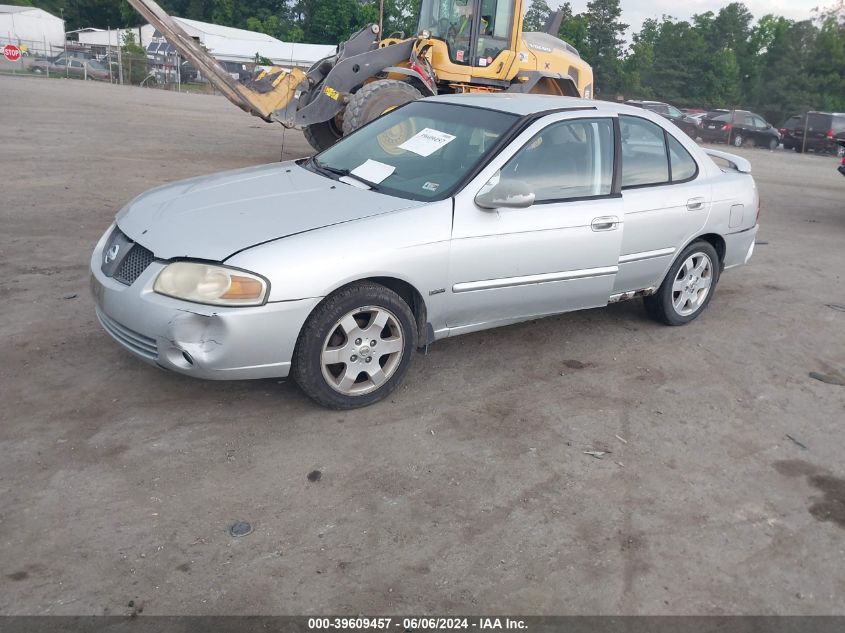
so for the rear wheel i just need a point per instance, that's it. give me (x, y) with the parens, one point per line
(738, 140)
(688, 286)
(356, 347)
(374, 99)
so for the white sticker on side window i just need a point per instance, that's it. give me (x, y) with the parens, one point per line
(426, 142)
(373, 171)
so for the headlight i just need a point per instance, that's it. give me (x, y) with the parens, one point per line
(215, 285)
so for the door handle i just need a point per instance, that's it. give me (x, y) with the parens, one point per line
(605, 223)
(695, 204)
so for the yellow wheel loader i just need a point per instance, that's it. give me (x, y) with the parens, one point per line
(460, 46)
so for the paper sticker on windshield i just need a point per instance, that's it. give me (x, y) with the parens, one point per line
(426, 142)
(431, 186)
(373, 171)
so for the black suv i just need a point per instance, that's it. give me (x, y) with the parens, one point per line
(822, 128)
(687, 124)
(739, 127)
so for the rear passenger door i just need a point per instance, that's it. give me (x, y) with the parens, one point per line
(666, 198)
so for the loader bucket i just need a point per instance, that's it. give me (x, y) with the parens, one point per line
(265, 99)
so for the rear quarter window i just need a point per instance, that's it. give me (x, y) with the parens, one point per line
(684, 166)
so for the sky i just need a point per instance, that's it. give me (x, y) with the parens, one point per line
(635, 11)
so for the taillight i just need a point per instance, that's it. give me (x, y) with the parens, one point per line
(843, 161)
(830, 134)
(728, 127)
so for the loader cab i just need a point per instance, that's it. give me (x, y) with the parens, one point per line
(476, 32)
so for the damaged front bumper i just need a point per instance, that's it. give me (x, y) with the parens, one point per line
(211, 342)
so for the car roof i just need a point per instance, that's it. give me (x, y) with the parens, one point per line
(526, 104)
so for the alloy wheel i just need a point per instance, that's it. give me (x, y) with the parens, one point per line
(362, 351)
(692, 284)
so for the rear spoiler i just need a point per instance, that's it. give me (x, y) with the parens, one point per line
(736, 162)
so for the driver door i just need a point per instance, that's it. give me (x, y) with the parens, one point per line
(559, 254)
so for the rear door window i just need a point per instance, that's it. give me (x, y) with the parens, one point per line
(652, 156)
(644, 159)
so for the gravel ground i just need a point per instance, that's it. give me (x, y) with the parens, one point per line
(469, 490)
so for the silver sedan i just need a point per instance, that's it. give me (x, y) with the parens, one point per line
(449, 215)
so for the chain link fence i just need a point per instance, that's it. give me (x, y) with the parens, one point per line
(113, 64)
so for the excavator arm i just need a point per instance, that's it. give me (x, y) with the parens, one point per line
(271, 94)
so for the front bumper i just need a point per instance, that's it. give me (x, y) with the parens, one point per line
(211, 342)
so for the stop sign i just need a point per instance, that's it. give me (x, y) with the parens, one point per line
(11, 52)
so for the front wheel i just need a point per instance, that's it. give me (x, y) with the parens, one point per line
(374, 99)
(773, 144)
(688, 286)
(355, 347)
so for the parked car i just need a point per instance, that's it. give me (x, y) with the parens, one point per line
(739, 127)
(448, 215)
(687, 124)
(71, 66)
(822, 128)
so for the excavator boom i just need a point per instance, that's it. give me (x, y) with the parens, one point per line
(277, 94)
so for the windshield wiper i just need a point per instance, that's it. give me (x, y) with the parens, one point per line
(343, 172)
(327, 168)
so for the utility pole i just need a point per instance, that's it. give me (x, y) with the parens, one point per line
(119, 59)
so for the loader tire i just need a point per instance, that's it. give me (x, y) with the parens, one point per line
(322, 135)
(374, 99)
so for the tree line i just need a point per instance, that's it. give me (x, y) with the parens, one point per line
(772, 65)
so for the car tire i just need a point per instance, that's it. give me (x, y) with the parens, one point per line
(341, 328)
(323, 135)
(773, 144)
(374, 99)
(687, 289)
(738, 140)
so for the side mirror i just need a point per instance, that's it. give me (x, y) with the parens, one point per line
(510, 194)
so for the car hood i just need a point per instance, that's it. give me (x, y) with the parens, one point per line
(214, 217)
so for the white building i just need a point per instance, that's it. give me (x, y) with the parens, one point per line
(223, 42)
(33, 29)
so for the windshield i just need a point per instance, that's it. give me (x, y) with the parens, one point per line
(420, 151)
